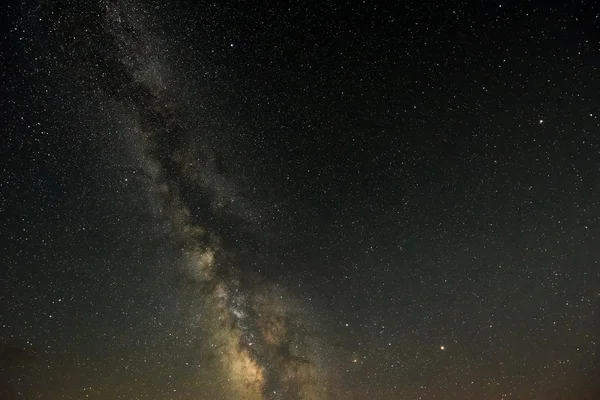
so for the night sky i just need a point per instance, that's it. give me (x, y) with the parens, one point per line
(300, 200)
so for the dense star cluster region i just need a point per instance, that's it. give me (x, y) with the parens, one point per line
(181, 173)
(304, 201)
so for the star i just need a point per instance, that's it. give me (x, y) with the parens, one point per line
(316, 175)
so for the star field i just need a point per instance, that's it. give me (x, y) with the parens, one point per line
(305, 200)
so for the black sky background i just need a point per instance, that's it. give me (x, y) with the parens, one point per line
(421, 175)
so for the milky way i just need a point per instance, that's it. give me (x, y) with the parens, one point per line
(259, 343)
